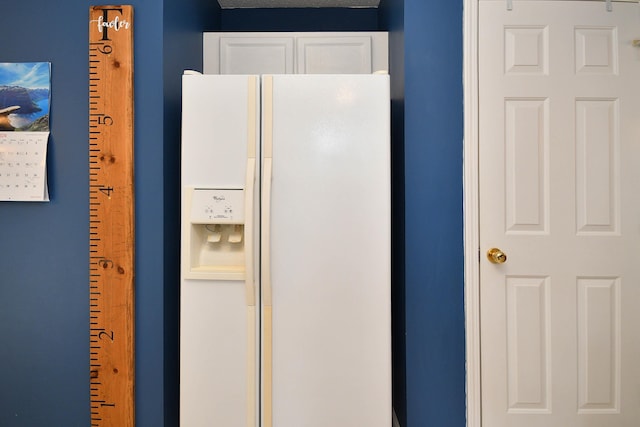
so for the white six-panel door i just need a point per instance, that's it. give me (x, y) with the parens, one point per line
(559, 184)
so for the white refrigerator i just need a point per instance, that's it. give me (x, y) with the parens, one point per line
(285, 251)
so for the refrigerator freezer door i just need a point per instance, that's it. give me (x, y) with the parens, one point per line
(329, 251)
(218, 319)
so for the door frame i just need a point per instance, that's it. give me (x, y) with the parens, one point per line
(471, 212)
(471, 199)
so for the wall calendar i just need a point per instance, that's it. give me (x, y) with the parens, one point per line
(23, 166)
(24, 130)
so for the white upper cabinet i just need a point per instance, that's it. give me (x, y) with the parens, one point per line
(296, 53)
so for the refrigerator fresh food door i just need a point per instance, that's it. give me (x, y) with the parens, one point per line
(326, 251)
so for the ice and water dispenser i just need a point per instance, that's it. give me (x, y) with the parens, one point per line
(217, 243)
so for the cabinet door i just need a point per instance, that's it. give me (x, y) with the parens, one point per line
(255, 55)
(349, 54)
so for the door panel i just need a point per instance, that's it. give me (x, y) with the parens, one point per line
(334, 55)
(559, 154)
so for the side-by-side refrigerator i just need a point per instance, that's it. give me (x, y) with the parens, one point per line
(285, 251)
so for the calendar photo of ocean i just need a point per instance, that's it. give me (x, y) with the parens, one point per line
(25, 96)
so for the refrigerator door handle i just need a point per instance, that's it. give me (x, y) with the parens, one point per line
(248, 233)
(266, 233)
(267, 319)
(250, 290)
(265, 229)
(250, 280)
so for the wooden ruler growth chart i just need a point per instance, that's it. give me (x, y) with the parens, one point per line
(111, 215)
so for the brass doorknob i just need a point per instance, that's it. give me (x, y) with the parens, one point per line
(496, 256)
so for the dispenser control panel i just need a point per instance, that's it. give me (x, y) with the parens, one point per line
(215, 206)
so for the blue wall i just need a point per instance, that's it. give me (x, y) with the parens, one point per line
(310, 19)
(428, 286)
(434, 286)
(44, 246)
(44, 262)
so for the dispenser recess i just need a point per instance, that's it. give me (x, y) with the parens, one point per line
(216, 220)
